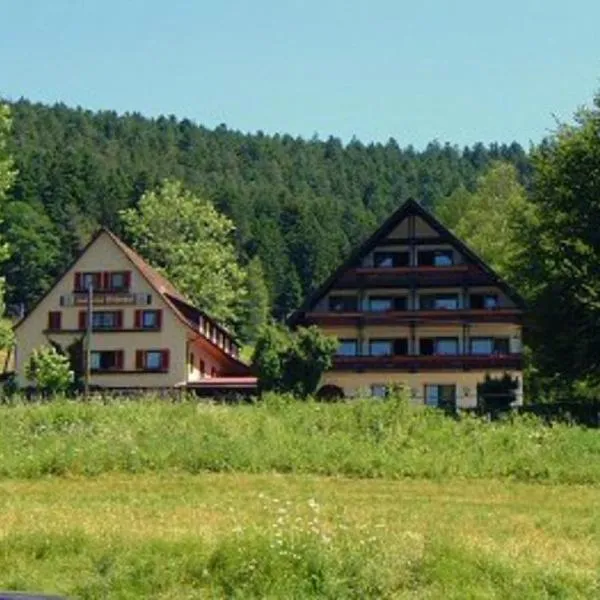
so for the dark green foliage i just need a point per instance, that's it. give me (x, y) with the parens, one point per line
(496, 394)
(292, 362)
(298, 205)
(561, 270)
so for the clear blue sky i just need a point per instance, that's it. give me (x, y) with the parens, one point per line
(456, 70)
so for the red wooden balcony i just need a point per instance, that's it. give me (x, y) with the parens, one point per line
(441, 316)
(429, 363)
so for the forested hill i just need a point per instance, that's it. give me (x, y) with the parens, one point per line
(299, 204)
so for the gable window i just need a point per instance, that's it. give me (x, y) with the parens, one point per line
(384, 260)
(84, 280)
(347, 347)
(55, 320)
(483, 301)
(485, 346)
(148, 319)
(343, 303)
(439, 302)
(118, 281)
(436, 258)
(440, 396)
(152, 360)
(107, 360)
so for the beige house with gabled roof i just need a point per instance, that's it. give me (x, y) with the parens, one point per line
(146, 335)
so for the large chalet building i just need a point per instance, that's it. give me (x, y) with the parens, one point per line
(414, 306)
(145, 334)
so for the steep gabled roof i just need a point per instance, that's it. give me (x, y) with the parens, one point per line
(177, 302)
(410, 207)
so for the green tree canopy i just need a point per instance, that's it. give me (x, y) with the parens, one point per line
(185, 238)
(492, 219)
(7, 175)
(292, 362)
(563, 251)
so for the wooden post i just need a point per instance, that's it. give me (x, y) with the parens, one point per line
(88, 341)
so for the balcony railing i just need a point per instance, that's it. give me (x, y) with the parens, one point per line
(417, 275)
(465, 315)
(429, 363)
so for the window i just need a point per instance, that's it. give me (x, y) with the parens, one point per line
(148, 319)
(483, 301)
(213, 372)
(84, 280)
(191, 362)
(440, 396)
(439, 302)
(401, 347)
(343, 303)
(104, 319)
(436, 258)
(380, 347)
(446, 346)
(482, 345)
(486, 346)
(152, 360)
(118, 281)
(379, 390)
(430, 346)
(202, 368)
(106, 360)
(55, 320)
(391, 259)
(347, 348)
(380, 304)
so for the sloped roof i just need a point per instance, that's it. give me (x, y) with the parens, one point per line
(179, 304)
(410, 207)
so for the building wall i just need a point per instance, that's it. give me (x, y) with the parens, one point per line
(197, 351)
(104, 255)
(356, 384)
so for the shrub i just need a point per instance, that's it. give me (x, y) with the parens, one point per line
(49, 370)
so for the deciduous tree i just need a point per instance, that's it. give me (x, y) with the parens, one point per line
(189, 241)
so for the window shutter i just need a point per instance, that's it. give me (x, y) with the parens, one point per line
(119, 360)
(165, 360)
(138, 319)
(139, 359)
(105, 283)
(127, 278)
(119, 319)
(159, 319)
(78, 282)
(82, 319)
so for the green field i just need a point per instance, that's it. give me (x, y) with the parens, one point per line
(367, 500)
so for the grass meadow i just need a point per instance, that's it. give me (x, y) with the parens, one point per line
(149, 499)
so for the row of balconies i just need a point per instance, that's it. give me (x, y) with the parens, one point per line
(429, 363)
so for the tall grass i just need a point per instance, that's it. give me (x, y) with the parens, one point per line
(363, 439)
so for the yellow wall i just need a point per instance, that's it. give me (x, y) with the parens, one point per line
(355, 384)
(105, 255)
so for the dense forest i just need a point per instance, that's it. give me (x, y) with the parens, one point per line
(298, 205)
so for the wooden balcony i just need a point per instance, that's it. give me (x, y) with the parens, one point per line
(499, 362)
(421, 276)
(440, 316)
